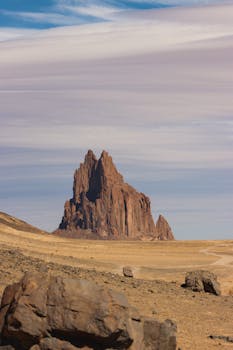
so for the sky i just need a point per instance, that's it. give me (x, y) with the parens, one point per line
(151, 83)
(44, 14)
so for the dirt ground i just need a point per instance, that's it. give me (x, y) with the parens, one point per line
(159, 269)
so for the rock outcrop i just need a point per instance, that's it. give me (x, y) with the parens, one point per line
(202, 281)
(104, 206)
(43, 312)
(163, 229)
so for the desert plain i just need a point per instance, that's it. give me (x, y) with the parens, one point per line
(159, 270)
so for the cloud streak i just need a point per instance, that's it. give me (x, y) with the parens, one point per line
(183, 146)
(12, 34)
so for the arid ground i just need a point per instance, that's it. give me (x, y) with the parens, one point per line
(159, 269)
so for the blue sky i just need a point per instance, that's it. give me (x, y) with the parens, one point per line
(40, 14)
(43, 14)
(161, 105)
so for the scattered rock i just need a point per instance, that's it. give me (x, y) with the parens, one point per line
(104, 206)
(202, 281)
(222, 337)
(45, 313)
(127, 271)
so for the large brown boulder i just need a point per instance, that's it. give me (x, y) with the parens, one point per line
(202, 281)
(43, 313)
(104, 206)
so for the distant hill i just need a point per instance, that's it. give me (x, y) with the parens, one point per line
(9, 222)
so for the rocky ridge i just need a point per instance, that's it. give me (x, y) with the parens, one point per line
(104, 206)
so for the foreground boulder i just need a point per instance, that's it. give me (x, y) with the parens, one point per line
(45, 313)
(104, 206)
(202, 281)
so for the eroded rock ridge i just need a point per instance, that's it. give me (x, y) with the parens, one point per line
(104, 206)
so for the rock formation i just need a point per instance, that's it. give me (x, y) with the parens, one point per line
(104, 206)
(44, 312)
(163, 230)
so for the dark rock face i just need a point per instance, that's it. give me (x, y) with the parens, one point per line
(104, 206)
(202, 281)
(47, 313)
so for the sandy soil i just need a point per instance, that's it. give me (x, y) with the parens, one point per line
(159, 269)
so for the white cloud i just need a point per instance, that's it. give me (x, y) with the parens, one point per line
(93, 10)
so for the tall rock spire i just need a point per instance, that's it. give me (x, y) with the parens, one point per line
(163, 229)
(104, 206)
(83, 174)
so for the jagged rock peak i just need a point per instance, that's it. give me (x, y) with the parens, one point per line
(90, 157)
(104, 206)
(163, 229)
(108, 170)
(94, 175)
(83, 174)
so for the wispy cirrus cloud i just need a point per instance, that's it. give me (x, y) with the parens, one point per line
(93, 11)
